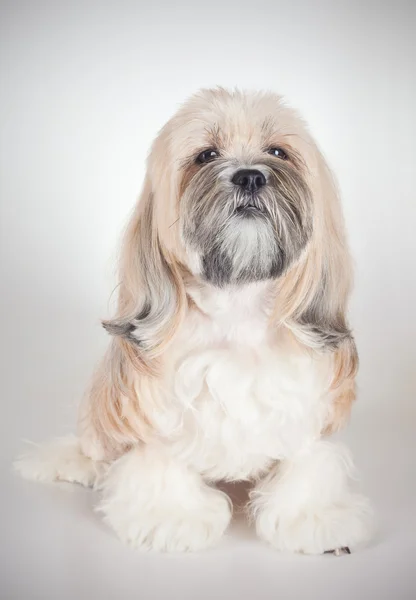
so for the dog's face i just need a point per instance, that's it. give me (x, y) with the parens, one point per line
(244, 206)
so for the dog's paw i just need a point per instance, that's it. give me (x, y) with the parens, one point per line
(316, 530)
(59, 460)
(172, 529)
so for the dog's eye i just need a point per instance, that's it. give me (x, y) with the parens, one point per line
(207, 156)
(278, 153)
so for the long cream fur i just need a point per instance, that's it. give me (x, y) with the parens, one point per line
(201, 384)
(150, 271)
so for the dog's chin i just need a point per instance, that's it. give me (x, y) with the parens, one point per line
(245, 250)
(220, 270)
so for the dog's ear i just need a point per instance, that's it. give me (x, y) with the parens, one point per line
(151, 296)
(313, 296)
(151, 303)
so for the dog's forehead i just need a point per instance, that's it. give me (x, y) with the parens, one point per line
(232, 121)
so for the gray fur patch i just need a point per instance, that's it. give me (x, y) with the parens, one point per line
(240, 246)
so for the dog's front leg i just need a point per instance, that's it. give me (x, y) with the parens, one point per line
(154, 502)
(305, 504)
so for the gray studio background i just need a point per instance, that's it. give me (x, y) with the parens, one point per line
(84, 88)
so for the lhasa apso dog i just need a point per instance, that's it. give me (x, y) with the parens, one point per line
(231, 357)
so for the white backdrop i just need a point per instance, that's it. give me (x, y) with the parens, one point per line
(85, 86)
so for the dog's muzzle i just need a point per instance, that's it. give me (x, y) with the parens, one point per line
(249, 183)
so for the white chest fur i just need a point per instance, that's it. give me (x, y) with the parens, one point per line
(243, 394)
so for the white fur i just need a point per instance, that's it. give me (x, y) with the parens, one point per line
(238, 401)
(60, 460)
(243, 398)
(154, 502)
(224, 383)
(306, 505)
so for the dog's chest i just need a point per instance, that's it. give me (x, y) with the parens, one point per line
(241, 398)
(241, 409)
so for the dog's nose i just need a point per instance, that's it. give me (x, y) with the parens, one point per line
(250, 180)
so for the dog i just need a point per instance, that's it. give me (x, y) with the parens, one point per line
(230, 358)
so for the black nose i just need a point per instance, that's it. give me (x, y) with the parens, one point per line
(249, 179)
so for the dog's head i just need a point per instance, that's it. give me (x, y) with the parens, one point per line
(236, 192)
(244, 206)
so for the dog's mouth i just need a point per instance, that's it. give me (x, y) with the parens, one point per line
(248, 207)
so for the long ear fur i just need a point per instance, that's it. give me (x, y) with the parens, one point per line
(151, 304)
(151, 293)
(313, 297)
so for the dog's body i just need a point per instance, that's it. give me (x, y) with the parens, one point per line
(231, 355)
(236, 396)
